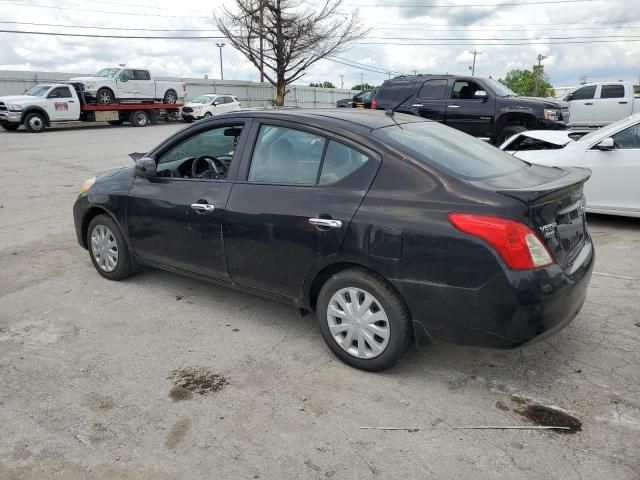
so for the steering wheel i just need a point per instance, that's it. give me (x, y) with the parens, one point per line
(214, 165)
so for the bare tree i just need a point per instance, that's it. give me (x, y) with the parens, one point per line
(283, 38)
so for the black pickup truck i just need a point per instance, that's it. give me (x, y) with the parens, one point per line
(481, 107)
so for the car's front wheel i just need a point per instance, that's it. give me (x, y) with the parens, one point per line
(108, 249)
(105, 96)
(363, 320)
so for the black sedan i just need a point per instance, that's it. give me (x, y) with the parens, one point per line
(397, 231)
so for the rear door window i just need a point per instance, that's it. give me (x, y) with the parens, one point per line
(433, 90)
(339, 162)
(141, 75)
(286, 156)
(612, 91)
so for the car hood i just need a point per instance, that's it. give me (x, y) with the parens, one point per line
(19, 98)
(555, 137)
(543, 102)
(87, 79)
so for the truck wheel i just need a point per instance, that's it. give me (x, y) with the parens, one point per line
(34, 122)
(507, 132)
(139, 118)
(10, 126)
(104, 96)
(170, 97)
(187, 119)
(116, 122)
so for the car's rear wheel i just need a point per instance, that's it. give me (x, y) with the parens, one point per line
(363, 320)
(139, 118)
(170, 97)
(207, 115)
(34, 122)
(108, 249)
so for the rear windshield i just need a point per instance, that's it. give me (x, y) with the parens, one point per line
(450, 150)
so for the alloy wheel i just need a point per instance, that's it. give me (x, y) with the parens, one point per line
(36, 123)
(358, 323)
(104, 248)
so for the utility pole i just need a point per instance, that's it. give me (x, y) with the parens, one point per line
(537, 75)
(261, 42)
(361, 80)
(341, 81)
(473, 68)
(389, 73)
(220, 45)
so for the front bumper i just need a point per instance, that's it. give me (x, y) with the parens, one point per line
(553, 125)
(510, 310)
(8, 116)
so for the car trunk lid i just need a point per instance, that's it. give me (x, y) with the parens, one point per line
(555, 205)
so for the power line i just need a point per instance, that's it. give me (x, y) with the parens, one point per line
(98, 11)
(88, 35)
(497, 44)
(505, 4)
(113, 28)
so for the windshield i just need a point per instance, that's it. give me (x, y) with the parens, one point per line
(456, 153)
(107, 72)
(610, 129)
(38, 90)
(203, 99)
(499, 89)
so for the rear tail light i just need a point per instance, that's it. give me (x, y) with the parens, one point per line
(374, 104)
(515, 242)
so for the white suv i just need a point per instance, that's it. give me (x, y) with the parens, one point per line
(209, 105)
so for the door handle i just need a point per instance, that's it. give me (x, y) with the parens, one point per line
(417, 105)
(453, 106)
(203, 207)
(623, 103)
(73, 101)
(325, 222)
(589, 103)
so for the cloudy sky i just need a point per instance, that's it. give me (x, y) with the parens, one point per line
(427, 36)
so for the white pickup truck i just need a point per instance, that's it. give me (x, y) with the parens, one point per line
(112, 85)
(598, 104)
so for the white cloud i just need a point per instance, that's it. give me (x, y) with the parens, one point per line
(196, 58)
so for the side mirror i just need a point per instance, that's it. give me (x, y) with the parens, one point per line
(145, 167)
(568, 97)
(606, 144)
(480, 94)
(123, 79)
(214, 103)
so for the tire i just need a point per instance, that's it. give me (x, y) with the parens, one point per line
(35, 122)
(104, 96)
(170, 97)
(116, 122)
(11, 126)
(187, 119)
(139, 118)
(102, 257)
(509, 131)
(207, 115)
(393, 320)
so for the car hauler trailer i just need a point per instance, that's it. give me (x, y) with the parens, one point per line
(47, 104)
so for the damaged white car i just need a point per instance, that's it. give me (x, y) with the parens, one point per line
(612, 153)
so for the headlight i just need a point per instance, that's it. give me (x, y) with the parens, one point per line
(16, 107)
(552, 114)
(88, 183)
(89, 85)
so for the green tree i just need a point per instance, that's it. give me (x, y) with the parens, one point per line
(325, 84)
(530, 83)
(364, 86)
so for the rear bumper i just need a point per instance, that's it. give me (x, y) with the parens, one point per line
(512, 309)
